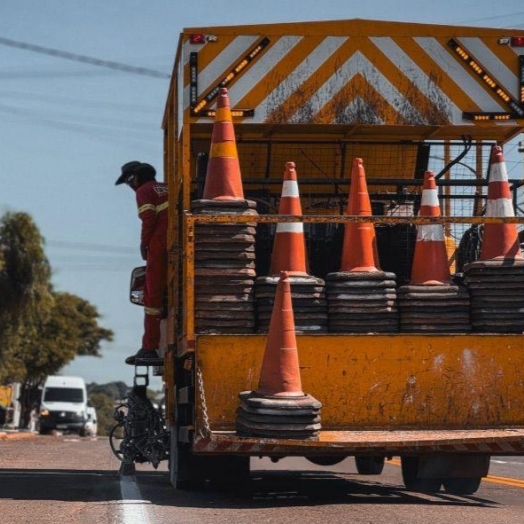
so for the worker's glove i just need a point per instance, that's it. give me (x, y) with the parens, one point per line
(143, 251)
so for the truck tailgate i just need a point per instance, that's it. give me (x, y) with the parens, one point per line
(493, 442)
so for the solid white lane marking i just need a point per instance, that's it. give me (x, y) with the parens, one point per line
(507, 462)
(134, 509)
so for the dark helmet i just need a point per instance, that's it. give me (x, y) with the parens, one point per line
(127, 171)
(144, 173)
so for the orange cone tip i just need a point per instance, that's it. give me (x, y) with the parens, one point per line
(430, 261)
(223, 177)
(499, 241)
(289, 247)
(359, 251)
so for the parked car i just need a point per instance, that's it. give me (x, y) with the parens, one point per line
(91, 427)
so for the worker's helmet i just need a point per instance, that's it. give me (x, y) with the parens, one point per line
(128, 171)
(144, 173)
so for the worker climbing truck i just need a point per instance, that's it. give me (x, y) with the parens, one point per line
(300, 148)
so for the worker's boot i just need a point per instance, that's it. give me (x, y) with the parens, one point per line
(145, 357)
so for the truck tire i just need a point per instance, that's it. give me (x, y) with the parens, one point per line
(188, 471)
(369, 465)
(413, 482)
(325, 461)
(183, 472)
(462, 486)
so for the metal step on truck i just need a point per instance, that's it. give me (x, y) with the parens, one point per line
(387, 141)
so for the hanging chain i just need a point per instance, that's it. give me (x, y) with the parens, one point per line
(206, 430)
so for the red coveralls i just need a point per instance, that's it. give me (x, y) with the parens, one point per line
(151, 199)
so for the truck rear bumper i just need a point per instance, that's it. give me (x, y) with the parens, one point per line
(491, 441)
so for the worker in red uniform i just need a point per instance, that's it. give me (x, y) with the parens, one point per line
(151, 198)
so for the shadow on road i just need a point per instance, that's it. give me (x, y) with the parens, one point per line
(264, 490)
(60, 485)
(305, 488)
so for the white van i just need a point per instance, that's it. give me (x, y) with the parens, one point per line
(63, 405)
(91, 427)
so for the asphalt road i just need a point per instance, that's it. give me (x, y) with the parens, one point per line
(47, 479)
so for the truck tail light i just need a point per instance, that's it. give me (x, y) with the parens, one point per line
(517, 41)
(197, 38)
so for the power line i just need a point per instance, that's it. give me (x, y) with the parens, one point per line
(53, 74)
(91, 120)
(83, 102)
(492, 17)
(83, 58)
(85, 129)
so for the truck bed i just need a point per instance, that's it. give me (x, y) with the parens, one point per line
(492, 441)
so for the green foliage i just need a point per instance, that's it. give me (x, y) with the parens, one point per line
(25, 270)
(105, 409)
(70, 329)
(41, 330)
(114, 390)
(25, 289)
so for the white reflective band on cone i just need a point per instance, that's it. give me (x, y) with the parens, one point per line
(429, 198)
(290, 227)
(498, 173)
(500, 207)
(290, 189)
(430, 233)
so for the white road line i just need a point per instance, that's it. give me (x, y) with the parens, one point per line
(133, 508)
(507, 462)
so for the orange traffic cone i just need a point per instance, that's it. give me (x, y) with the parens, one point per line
(359, 251)
(280, 373)
(430, 261)
(499, 240)
(289, 247)
(223, 178)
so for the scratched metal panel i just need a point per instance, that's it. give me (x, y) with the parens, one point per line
(370, 382)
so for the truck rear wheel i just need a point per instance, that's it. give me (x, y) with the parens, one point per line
(412, 481)
(183, 473)
(189, 471)
(369, 465)
(325, 461)
(462, 486)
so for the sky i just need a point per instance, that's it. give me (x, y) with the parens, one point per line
(66, 126)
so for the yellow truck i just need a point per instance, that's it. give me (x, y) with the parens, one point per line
(405, 98)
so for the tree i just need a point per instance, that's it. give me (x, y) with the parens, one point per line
(41, 330)
(25, 290)
(70, 330)
(105, 412)
(114, 390)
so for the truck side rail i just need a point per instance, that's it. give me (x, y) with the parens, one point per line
(192, 220)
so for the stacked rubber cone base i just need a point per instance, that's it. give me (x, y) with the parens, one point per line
(225, 269)
(496, 289)
(278, 417)
(362, 302)
(434, 308)
(309, 303)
